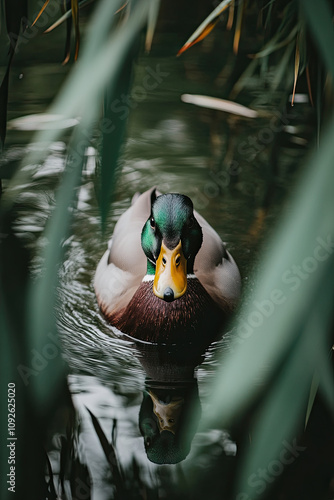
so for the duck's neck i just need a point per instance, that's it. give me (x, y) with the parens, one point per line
(150, 268)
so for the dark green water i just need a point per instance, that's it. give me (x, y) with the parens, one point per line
(178, 148)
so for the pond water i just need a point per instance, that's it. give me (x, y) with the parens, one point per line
(178, 148)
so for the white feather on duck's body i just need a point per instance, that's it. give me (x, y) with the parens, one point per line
(166, 274)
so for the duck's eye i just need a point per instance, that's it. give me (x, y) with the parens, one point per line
(171, 421)
(152, 222)
(191, 222)
(164, 261)
(177, 260)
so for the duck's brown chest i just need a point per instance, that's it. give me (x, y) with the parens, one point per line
(192, 317)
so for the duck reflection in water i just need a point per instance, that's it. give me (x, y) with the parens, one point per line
(171, 408)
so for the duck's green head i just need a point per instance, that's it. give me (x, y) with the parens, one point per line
(171, 238)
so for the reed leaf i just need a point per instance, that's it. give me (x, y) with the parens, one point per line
(151, 23)
(309, 87)
(43, 292)
(113, 136)
(230, 18)
(205, 27)
(75, 17)
(313, 392)
(319, 18)
(296, 72)
(8, 362)
(101, 60)
(67, 53)
(237, 34)
(109, 452)
(291, 338)
(67, 15)
(14, 15)
(277, 43)
(282, 67)
(51, 486)
(41, 12)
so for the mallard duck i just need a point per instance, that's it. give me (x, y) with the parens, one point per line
(166, 275)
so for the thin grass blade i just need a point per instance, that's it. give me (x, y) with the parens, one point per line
(230, 18)
(296, 72)
(309, 86)
(67, 15)
(15, 13)
(151, 23)
(313, 392)
(205, 27)
(40, 12)
(67, 54)
(282, 67)
(237, 34)
(75, 17)
(269, 14)
(122, 7)
(80, 476)
(319, 109)
(201, 37)
(52, 493)
(242, 81)
(4, 103)
(108, 450)
(276, 43)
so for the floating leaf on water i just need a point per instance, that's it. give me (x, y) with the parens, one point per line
(220, 104)
(42, 121)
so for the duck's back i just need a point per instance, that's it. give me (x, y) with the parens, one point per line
(123, 265)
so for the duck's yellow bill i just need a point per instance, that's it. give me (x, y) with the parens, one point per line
(170, 280)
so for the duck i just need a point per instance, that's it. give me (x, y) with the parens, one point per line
(166, 276)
